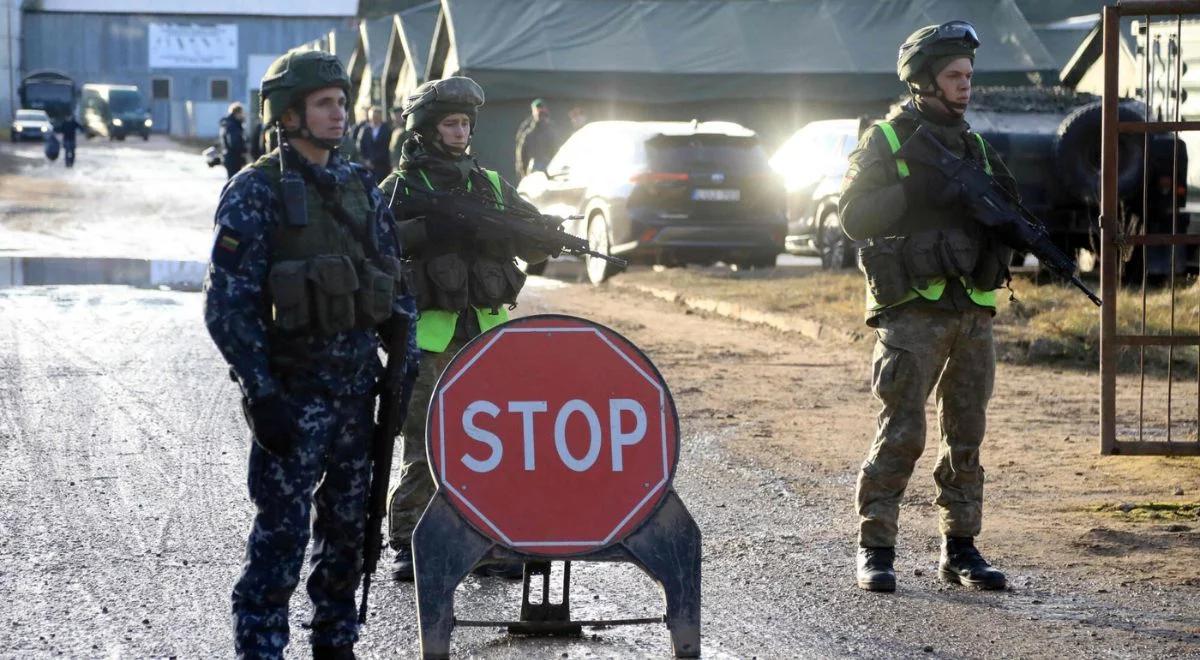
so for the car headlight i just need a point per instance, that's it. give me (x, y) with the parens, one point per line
(149, 123)
(45, 128)
(118, 122)
(18, 127)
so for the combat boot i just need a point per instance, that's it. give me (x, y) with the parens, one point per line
(962, 564)
(324, 652)
(875, 569)
(402, 565)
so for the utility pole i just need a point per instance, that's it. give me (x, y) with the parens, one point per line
(9, 38)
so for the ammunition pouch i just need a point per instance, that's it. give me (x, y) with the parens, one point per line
(334, 284)
(447, 277)
(327, 294)
(495, 283)
(288, 284)
(992, 270)
(945, 253)
(881, 260)
(376, 292)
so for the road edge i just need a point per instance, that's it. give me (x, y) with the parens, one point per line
(807, 327)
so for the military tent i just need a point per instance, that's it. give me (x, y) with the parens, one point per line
(769, 65)
(408, 51)
(367, 63)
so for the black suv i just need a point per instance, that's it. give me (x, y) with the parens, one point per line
(669, 193)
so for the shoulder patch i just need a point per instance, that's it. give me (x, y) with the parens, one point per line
(228, 248)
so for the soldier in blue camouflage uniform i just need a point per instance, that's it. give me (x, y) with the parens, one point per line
(304, 281)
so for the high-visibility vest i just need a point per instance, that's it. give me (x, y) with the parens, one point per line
(435, 327)
(936, 286)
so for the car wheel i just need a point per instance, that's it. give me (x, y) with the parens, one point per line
(13, 136)
(834, 247)
(532, 269)
(598, 270)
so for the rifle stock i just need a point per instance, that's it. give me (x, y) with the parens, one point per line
(994, 207)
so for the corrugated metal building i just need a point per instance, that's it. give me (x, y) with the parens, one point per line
(190, 59)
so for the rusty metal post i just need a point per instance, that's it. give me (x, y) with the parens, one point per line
(1109, 257)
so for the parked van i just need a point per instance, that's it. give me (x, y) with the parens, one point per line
(114, 111)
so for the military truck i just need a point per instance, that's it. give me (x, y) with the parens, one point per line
(1050, 139)
(51, 91)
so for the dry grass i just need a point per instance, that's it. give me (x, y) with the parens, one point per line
(1050, 322)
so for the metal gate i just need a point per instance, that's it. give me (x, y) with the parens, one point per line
(1150, 322)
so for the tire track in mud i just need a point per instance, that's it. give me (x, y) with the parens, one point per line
(131, 458)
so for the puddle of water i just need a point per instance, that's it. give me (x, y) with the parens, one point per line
(141, 273)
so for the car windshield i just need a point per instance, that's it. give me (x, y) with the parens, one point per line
(122, 100)
(685, 153)
(31, 115)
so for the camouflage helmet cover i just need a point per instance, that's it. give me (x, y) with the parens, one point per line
(293, 76)
(437, 98)
(933, 42)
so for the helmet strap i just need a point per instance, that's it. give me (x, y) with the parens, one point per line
(955, 109)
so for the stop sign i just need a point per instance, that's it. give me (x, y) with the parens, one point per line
(553, 435)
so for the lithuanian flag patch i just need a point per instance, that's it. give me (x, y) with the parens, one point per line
(228, 248)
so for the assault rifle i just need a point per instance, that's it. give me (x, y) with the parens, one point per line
(994, 207)
(544, 232)
(394, 396)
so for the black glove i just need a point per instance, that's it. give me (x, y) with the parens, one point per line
(925, 185)
(271, 423)
(447, 228)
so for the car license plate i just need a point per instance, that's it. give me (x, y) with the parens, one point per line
(716, 195)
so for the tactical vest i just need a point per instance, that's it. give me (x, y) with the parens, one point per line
(921, 267)
(322, 280)
(446, 283)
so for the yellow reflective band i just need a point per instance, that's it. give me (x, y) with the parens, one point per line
(933, 292)
(435, 329)
(497, 188)
(488, 320)
(893, 141)
(987, 165)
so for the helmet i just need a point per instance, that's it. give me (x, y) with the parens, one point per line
(438, 98)
(293, 76)
(932, 42)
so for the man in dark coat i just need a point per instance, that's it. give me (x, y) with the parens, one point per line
(537, 139)
(233, 140)
(373, 141)
(69, 128)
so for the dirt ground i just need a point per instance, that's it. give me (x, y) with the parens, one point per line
(1103, 553)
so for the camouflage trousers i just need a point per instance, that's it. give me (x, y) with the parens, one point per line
(411, 493)
(919, 348)
(323, 482)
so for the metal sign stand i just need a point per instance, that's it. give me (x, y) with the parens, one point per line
(445, 549)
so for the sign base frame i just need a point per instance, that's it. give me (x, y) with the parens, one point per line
(667, 547)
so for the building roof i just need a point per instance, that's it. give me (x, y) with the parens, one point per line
(318, 8)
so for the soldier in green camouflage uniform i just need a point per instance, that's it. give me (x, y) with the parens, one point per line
(466, 279)
(931, 280)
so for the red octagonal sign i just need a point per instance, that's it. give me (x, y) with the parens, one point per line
(553, 435)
